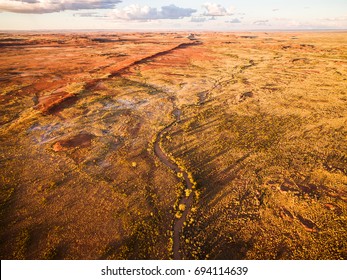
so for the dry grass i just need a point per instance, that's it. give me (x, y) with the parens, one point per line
(262, 131)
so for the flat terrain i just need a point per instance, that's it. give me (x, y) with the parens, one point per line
(157, 146)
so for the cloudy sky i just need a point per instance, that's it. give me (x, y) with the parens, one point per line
(173, 14)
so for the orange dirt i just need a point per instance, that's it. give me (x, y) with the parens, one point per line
(77, 141)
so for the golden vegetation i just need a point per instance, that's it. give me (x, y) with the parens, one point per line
(259, 130)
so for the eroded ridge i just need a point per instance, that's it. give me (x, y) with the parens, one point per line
(48, 103)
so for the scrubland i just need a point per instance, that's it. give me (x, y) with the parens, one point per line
(154, 146)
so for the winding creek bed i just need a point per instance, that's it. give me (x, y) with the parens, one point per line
(187, 201)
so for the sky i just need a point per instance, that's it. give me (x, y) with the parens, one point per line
(221, 15)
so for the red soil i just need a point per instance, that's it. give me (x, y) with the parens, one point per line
(81, 140)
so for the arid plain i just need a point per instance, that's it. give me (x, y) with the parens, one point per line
(160, 146)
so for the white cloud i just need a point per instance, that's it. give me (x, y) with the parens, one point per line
(50, 6)
(335, 19)
(261, 22)
(137, 12)
(198, 19)
(87, 14)
(234, 20)
(216, 10)
(134, 12)
(320, 23)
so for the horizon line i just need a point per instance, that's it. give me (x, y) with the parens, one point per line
(175, 30)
